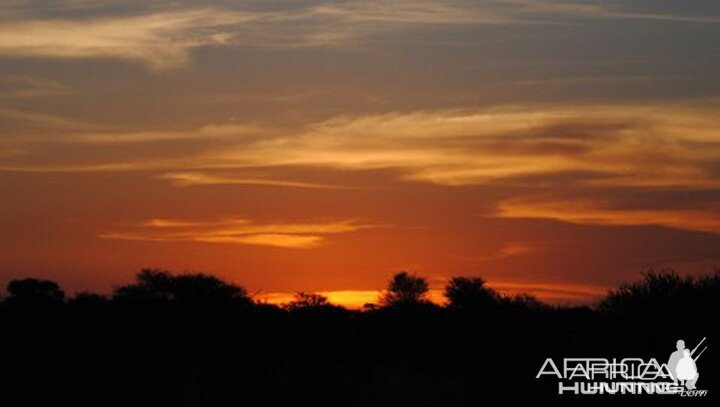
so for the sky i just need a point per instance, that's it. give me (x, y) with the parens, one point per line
(558, 148)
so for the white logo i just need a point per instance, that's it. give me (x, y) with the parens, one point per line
(679, 376)
(682, 365)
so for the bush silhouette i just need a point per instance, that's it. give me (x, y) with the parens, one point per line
(664, 292)
(470, 294)
(158, 285)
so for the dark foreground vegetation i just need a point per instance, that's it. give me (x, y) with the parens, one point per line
(195, 340)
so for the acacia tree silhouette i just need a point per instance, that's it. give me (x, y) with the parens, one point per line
(307, 300)
(405, 289)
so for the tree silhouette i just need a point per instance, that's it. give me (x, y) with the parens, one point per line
(405, 289)
(35, 291)
(470, 294)
(174, 339)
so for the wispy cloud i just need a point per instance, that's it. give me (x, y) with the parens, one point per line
(162, 37)
(603, 9)
(25, 86)
(558, 292)
(236, 132)
(49, 121)
(527, 147)
(598, 213)
(238, 231)
(160, 40)
(648, 145)
(418, 12)
(628, 145)
(186, 179)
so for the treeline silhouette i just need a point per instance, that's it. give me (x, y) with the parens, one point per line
(196, 340)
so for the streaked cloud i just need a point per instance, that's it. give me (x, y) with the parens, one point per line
(186, 179)
(611, 9)
(25, 86)
(236, 132)
(419, 12)
(588, 147)
(160, 40)
(633, 144)
(162, 37)
(553, 293)
(238, 231)
(517, 249)
(594, 212)
(54, 122)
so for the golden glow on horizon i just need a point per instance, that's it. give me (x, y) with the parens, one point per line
(560, 293)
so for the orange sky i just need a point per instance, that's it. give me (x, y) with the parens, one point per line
(557, 148)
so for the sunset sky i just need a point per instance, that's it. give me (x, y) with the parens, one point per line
(553, 147)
